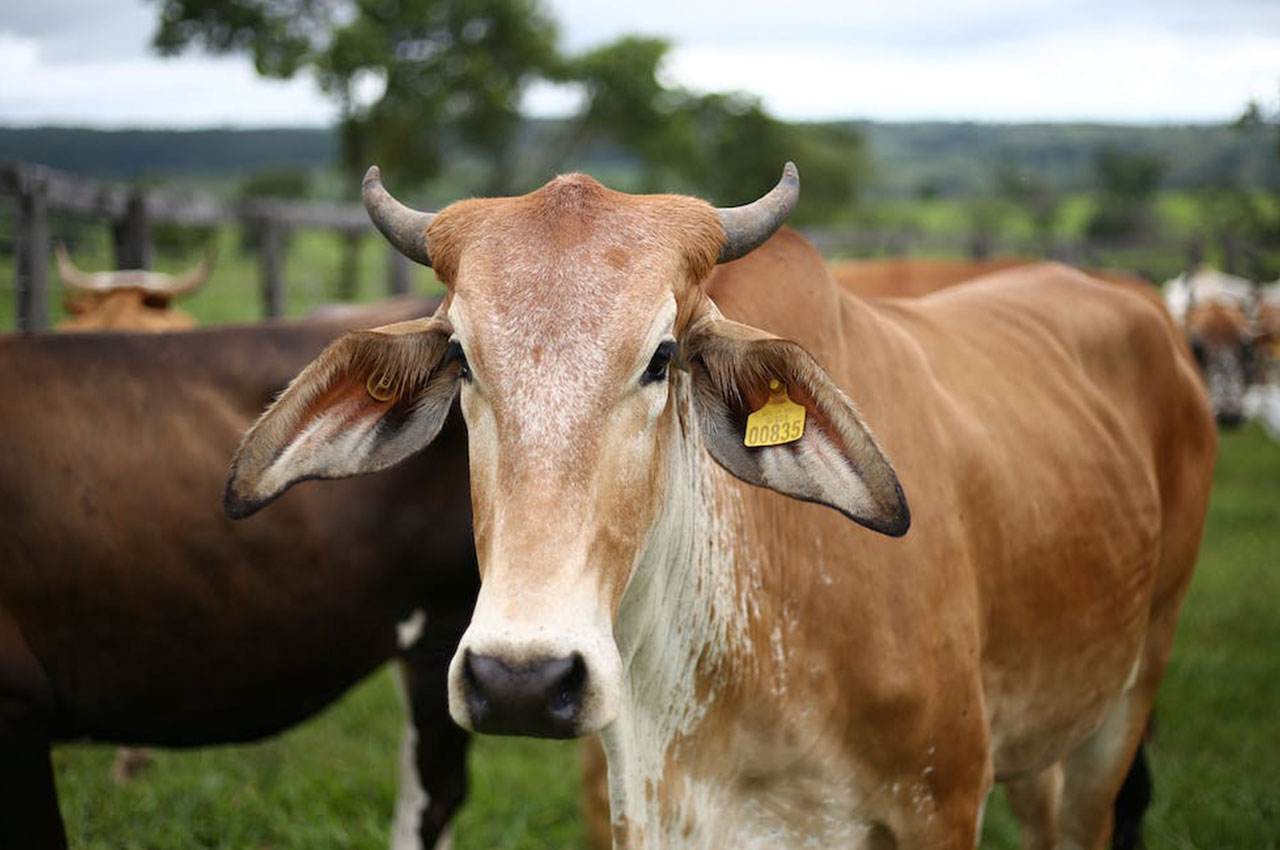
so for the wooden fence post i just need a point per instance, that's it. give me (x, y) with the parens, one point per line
(349, 267)
(131, 235)
(272, 280)
(398, 272)
(33, 254)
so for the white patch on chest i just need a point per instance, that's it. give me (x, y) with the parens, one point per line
(409, 630)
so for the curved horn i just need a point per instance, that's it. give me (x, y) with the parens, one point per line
(176, 285)
(72, 276)
(747, 227)
(405, 228)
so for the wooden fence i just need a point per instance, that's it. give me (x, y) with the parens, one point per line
(131, 212)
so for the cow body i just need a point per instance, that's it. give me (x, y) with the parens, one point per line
(763, 672)
(911, 277)
(133, 611)
(1027, 616)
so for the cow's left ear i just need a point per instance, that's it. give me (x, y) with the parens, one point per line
(370, 400)
(738, 370)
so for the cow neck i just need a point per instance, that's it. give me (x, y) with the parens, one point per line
(681, 626)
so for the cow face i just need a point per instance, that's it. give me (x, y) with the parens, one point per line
(594, 376)
(1221, 341)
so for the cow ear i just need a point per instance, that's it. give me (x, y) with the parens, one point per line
(370, 400)
(738, 370)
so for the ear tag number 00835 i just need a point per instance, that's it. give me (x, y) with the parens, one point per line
(382, 387)
(779, 421)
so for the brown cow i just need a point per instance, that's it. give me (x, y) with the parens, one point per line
(1214, 312)
(764, 672)
(900, 277)
(130, 299)
(132, 611)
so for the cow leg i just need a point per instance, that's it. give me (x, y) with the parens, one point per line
(1095, 771)
(1035, 801)
(595, 794)
(1131, 804)
(433, 753)
(29, 815)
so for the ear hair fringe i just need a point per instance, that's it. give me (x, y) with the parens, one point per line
(412, 354)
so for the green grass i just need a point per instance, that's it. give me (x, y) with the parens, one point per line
(330, 783)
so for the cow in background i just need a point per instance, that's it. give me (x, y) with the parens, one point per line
(911, 277)
(1262, 401)
(132, 611)
(129, 299)
(1215, 310)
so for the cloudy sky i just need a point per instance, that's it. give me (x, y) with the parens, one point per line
(87, 61)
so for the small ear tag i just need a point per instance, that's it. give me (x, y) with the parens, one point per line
(382, 387)
(779, 421)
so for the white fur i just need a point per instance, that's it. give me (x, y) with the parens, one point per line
(411, 798)
(409, 630)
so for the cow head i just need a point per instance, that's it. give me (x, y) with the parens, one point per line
(129, 299)
(594, 374)
(1223, 344)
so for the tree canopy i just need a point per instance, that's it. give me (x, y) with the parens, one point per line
(451, 74)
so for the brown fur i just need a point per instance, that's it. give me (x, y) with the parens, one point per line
(1047, 428)
(132, 610)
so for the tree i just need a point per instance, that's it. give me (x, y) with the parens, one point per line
(1127, 185)
(451, 72)
(723, 146)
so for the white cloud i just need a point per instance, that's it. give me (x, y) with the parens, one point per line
(1119, 75)
(192, 92)
(88, 61)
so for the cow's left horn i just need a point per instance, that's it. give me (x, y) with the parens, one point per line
(747, 227)
(404, 227)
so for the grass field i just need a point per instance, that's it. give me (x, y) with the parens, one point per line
(330, 783)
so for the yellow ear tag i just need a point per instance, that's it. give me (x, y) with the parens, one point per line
(779, 421)
(381, 387)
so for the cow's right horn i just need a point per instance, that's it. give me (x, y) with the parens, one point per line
(747, 227)
(405, 228)
(71, 275)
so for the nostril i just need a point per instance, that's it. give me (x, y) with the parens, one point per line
(473, 679)
(566, 696)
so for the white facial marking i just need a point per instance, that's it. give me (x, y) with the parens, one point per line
(544, 599)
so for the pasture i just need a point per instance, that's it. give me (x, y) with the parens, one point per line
(331, 782)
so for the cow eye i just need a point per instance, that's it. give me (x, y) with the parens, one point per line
(454, 354)
(658, 363)
(1198, 350)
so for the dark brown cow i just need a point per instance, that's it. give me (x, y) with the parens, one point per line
(133, 611)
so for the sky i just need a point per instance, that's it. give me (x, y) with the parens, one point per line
(87, 62)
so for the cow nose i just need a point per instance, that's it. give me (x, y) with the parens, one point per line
(540, 699)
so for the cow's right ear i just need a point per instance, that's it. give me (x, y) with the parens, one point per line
(370, 400)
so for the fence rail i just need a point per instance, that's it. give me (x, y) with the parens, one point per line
(133, 211)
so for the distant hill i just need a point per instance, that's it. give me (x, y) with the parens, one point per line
(961, 158)
(909, 158)
(137, 154)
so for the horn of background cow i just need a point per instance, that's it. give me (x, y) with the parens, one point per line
(404, 227)
(71, 275)
(191, 281)
(748, 226)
